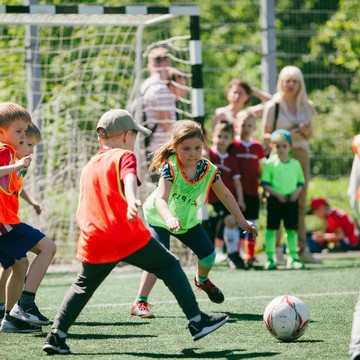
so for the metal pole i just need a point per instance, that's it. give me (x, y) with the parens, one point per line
(268, 61)
(33, 90)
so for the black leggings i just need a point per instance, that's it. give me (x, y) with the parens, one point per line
(153, 258)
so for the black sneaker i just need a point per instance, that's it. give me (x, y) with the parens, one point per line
(213, 292)
(206, 325)
(29, 313)
(54, 344)
(10, 324)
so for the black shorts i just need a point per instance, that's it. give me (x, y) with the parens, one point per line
(277, 211)
(252, 203)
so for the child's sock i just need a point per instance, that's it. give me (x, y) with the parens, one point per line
(59, 332)
(231, 238)
(26, 298)
(270, 244)
(201, 279)
(141, 298)
(249, 246)
(291, 238)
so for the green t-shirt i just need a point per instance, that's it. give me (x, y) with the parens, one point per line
(185, 198)
(283, 177)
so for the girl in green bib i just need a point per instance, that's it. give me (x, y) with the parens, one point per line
(185, 181)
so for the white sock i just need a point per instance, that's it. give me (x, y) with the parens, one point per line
(231, 238)
(59, 332)
(195, 318)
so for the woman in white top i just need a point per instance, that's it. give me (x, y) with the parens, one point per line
(295, 114)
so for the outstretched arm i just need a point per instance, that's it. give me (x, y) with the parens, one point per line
(228, 199)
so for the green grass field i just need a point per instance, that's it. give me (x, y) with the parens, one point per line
(104, 329)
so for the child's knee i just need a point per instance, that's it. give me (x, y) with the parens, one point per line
(45, 246)
(230, 222)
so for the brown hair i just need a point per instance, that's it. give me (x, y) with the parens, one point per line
(155, 55)
(33, 130)
(240, 83)
(224, 126)
(10, 112)
(181, 130)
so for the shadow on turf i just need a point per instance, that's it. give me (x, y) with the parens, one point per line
(104, 323)
(244, 317)
(191, 354)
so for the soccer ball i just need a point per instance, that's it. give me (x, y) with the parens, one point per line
(286, 318)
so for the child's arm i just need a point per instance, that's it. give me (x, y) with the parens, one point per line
(228, 199)
(162, 197)
(295, 195)
(239, 194)
(282, 198)
(36, 205)
(337, 235)
(130, 187)
(22, 163)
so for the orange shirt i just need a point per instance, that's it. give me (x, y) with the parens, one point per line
(106, 234)
(10, 188)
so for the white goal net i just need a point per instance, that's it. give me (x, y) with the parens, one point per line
(70, 64)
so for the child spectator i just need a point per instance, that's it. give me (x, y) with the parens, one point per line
(33, 137)
(185, 181)
(283, 179)
(340, 228)
(226, 227)
(250, 158)
(112, 231)
(18, 238)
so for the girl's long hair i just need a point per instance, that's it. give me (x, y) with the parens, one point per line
(293, 72)
(181, 130)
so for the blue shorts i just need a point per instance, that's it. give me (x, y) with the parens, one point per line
(15, 244)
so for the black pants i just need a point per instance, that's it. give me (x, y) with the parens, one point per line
(153, 258)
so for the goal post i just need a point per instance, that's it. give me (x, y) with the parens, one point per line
(68, 64)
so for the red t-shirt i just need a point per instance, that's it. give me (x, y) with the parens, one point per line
(227, 165)
(10, 188)
(337, 218)
(106, 234)
(248, 156)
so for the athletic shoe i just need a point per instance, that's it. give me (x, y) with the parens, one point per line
(54, 344)
(250, 263)
(213, 292)
(270, 265)
(29, 313)
(355, 356)
(220, 257)
(141, 309)
(306, 257)
(10, 324)
(236, 261)
(206, 325)
(294, 264)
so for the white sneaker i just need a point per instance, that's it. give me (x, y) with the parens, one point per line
(220, 257)
(306, 257)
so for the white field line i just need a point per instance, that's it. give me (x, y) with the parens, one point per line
(256, 297)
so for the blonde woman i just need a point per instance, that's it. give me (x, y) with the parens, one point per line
(295, 114)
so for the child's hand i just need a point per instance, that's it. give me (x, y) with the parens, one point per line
(23, 163)
(317, 236)
(37, 207)
(293, 197)
(173, 224)
(250, 228)
(282, 198)
(242, 205)
(132, 209)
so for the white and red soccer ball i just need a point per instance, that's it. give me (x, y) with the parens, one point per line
(286, 318)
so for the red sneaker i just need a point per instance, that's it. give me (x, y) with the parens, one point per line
(141, 309)
(212, 291)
